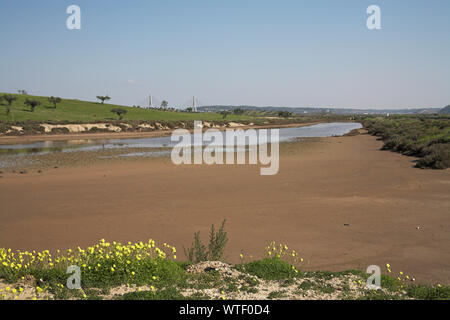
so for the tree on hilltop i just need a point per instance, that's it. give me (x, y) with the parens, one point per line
(54, 100)
(32, 103)
(9, 98)
(103, 98)
(120, 112)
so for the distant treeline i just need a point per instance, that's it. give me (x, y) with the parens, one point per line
(313, 110)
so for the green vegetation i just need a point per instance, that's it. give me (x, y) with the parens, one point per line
(423, 292)
(71, 111)
(103, 98)
(285, 114)
(269, 269)
(120, 112)
(9, 98)
(426, 137)
(217, 241)
(54, 100)
(32, 103)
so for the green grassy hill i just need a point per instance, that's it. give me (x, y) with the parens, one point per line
(84, 111)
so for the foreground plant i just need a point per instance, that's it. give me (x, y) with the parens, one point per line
(217, 241)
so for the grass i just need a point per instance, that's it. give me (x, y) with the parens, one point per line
(269, 269)
(426, 137)
(71, 110)
(423, 292)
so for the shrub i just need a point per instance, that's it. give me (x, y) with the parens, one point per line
(54, 101)
(32, 103)
(9, 98)
(438, 157)
(269, 269)
(217, 241)
(120, 112)
(285, 114)
(422, 136)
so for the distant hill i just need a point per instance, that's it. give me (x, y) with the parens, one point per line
(311, 110)
(445, 110)
(71, 110)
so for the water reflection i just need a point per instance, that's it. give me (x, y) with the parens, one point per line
(43, 147)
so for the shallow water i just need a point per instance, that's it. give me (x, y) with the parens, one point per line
(43, 147)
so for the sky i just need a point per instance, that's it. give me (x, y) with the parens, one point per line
(230, 52)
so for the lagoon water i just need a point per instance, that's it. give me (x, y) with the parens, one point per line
(43, 147)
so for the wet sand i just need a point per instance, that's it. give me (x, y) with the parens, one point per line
(341, 202)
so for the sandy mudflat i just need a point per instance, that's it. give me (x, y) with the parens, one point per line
(322, 185)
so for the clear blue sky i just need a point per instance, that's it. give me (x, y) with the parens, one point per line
(234, 52)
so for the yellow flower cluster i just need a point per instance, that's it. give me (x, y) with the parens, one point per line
(19, 263)
(282, 251)
(10, 293)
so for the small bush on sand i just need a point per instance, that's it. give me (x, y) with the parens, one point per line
(438, 157)
(217, 241)
(269, 269)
